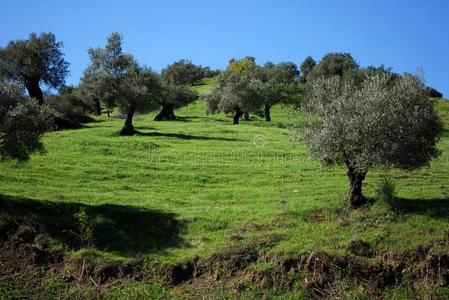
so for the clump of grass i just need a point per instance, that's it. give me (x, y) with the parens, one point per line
(386, 193)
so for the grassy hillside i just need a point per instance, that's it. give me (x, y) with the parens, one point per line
(200, 185)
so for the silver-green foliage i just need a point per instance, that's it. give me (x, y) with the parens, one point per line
(34, 61)
(234, 92)
(386, 121)
(22, 123)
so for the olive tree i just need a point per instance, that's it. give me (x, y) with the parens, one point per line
(35, 61)
(274, 83)
(22, 122)
(183, 72)
(115, 77)
(108, 66)
(138, 92)
(173, 96)
(333, 64)
(176, 80)
(235, 91)
(306, 67)
(385, 121)
(233, 94)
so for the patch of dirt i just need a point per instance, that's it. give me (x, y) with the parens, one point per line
(24, 249)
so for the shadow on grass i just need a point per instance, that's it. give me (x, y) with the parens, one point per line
(187, 118)
(144, 127)
(127, 230)
(436, 208)
(184, 136)
(445, 134)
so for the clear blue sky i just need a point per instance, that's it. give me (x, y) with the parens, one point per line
(402, 34)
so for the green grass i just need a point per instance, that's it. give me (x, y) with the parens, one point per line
(200, 182)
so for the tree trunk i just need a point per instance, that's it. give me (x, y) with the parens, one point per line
(128, 128)
(32, 86)
(108, 112)
(237, 116)
(246, 116)
(166, 114)
(266, 113)
(356, 178)
(97, 108)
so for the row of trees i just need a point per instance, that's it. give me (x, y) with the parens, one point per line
(113, 79)
(360, 117)
(246, 87)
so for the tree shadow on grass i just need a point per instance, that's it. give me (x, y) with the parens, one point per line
(184, 136)
(436, 208)
(127, 230)
(187, 118)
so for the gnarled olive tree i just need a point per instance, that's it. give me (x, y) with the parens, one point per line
(384, 121)
(37, 60)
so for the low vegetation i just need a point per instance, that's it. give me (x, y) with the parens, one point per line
(200, 208)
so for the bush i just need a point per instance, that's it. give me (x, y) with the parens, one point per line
(22, 123)
(86, 228)
(69, 110)
(386, 193)
(433, 93)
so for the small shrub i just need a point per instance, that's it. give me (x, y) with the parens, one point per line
(69, 109)
(86, 228)
(386, 193)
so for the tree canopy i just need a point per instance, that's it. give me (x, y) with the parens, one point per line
(184, 72)
(333, 64)
(37, 60)
(274, 83)
(233, 94)
(386, 121)
(246, 87)
(175, 81)
(306, 67)
(115, 77)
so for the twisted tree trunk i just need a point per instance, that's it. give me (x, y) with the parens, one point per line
(266, 112)
(32, 86)
(128, 128)
(167, 113)
(356, 178)
(97, 107)
(237, 115)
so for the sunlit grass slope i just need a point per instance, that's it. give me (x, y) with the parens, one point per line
(229, 184)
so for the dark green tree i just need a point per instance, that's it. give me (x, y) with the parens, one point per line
(306, 67)
(69, 107)
(183, 72)
(176, 80)
(274, 83)
(173, 96)
(35, 61)
(334, 64)
(139, 91)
